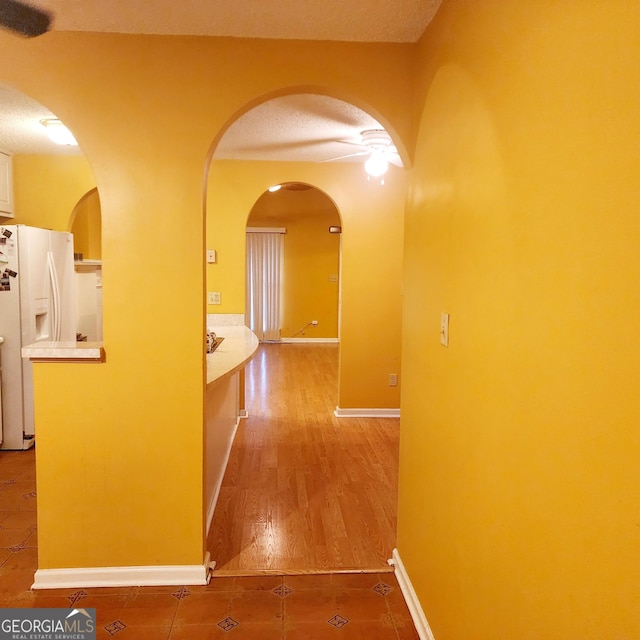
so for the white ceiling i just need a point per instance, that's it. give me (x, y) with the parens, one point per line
(302, 128)
(350, 20)
(20, 128)
(294, 128)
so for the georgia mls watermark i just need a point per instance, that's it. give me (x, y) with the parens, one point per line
(47, 624)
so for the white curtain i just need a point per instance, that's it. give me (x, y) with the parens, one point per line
(264, 259)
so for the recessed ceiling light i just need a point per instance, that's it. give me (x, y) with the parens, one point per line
(275, 187)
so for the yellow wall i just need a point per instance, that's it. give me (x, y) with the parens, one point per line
(86, 226)
(372, 234)
(518, 513)
(124, 439)
(47, 188)
(311, 256)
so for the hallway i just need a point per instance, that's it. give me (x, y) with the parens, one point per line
(319, 494)
(305, 491)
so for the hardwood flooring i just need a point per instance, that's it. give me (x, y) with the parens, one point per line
(305, 491)
(274, 607)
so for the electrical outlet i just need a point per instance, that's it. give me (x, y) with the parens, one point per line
(393, 379)
(213, 297)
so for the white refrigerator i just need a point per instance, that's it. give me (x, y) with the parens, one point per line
(37, 303)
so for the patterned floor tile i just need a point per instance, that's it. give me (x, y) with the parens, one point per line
(18, 519)
(313, 581)
(244, 631)
(135, 633)
(149, 610)
(228, 624)
(283, 591)
(256, 606)
(12, 537)
(259, 583)
(338, 621)
(203, 608)
(361, 604)
(356, 580)
(310, 606)
(382, 588)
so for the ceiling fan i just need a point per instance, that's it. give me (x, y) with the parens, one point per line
(23, 18)
(377, 144)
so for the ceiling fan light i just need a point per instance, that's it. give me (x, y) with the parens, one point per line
(58, 133)
(377, 164)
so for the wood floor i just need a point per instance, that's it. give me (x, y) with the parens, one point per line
(305, 491)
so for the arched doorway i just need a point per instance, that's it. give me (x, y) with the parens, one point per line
(305, 291)
(46, 180)
(241, 537)
(296, 136)
(86, 227)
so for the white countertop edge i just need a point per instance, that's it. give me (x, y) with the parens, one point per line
(64, 351)
(238, 347)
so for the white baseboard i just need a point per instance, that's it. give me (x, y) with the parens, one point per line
(291, 340)
(169, 575)
(243, 413)
(366, 413)
(411, 598)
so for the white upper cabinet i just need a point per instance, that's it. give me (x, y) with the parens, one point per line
(6, 186)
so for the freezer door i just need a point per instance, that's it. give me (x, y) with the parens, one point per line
(48, 301)
(33, 271)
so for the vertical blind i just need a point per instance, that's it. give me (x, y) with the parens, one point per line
(264, 268)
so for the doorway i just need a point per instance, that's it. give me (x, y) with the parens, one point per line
(293, 265)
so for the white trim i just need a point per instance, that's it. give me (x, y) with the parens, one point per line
(242, 414)
(366, 413)
(169, 575)
(291, 340)
(266, 230)
(411, 598)
(216, 493)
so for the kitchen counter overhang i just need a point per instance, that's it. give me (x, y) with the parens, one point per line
(64, 352)
(232, 354)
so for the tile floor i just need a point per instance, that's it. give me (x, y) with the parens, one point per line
(291, 607)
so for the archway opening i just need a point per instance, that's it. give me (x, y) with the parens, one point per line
(307, 285)
(86, 227)
(371, 216)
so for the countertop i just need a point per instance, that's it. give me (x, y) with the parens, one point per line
(237, 348)
(64, 352)
(232, 354)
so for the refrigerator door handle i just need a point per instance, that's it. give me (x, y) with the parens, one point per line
(55, 294)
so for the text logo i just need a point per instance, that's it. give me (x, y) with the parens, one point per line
(47, 624)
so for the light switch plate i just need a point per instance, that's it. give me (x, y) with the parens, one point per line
(211, 256)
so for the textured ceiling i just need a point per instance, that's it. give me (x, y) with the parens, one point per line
(294, 128)
(348, 20)
(20, 128)
(303, 128)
